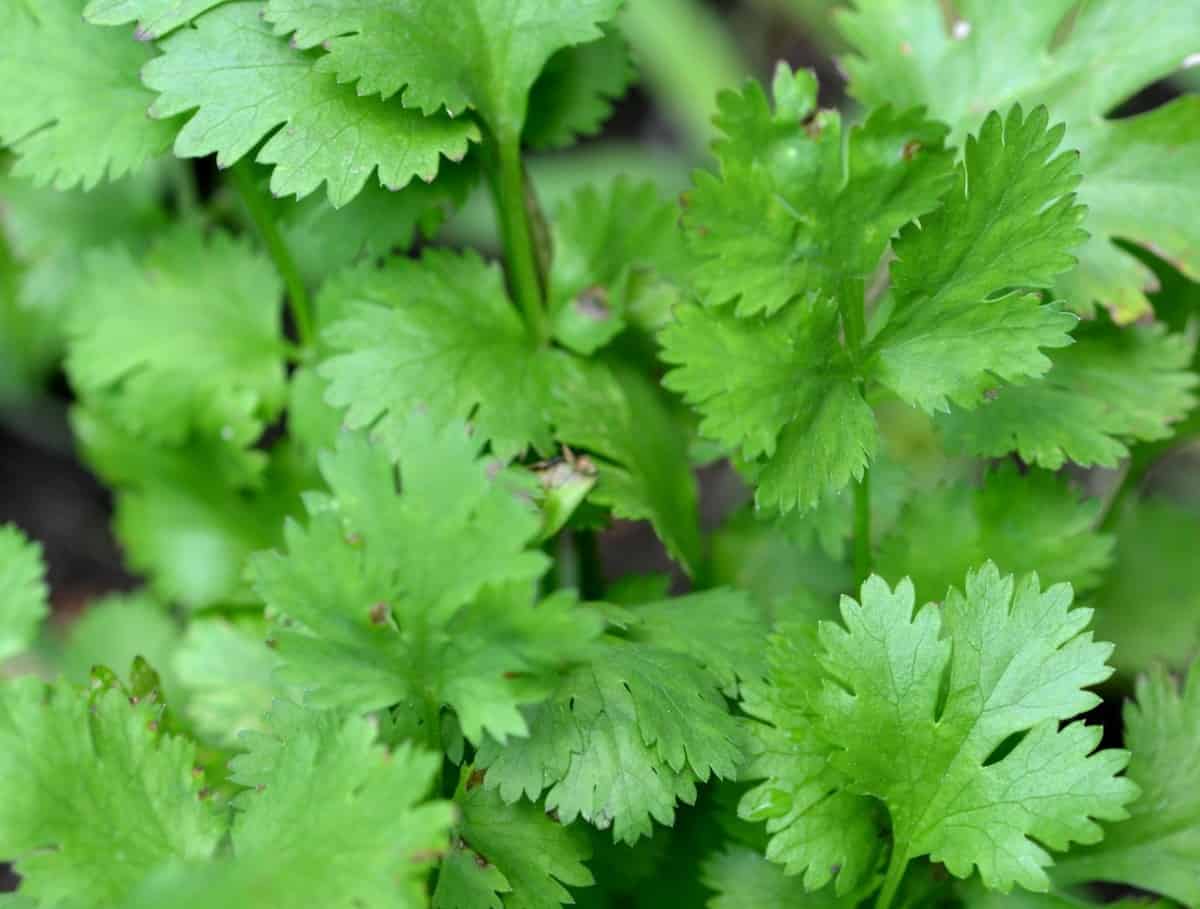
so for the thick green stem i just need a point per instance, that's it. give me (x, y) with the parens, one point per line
(862, 528)
(260, 212)
(591, 573)
(891, 883)
(513, 214)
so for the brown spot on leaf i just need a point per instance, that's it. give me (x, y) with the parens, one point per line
(475, 780)
(380, 613)
(592, 303)
(911, 147)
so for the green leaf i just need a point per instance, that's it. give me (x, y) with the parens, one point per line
(71, 106)
(155, 18)
(1150, 604)
(509, 856)
(245, 84)
(487, 55)
(1014, 662)
(780, 391)
(963, 317)
(329, 818)
(440, 334)
(796, 212)
(24, 601)
(631, 730)
(1114, 386)
(640, 453)
(1158, 848)
(1142, 174)
(420, 596)
(1023, 522)
(744, 879)
(229, 674)
(610, 247)
(574, 95)
(186, 341)
(85, 779)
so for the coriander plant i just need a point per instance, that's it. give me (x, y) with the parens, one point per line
(365, 438)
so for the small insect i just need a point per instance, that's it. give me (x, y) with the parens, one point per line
(558, 471)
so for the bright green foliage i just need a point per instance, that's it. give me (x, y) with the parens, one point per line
(508, 856)
(155, 18)
(958, 324)
(23, 593)
(184, 342)
(1150, 605)
(71, 106)
(744, 879)
(1023, 523)
(1142, 174)
(780, 392)
(574, 95)
(1158, 848)
(245, 84)
(796, 212)
(329, 818)
(610, 247)
(420, 596)
(640, 721)
(117, 629)
(1114, 386)
(92, 797)
(640, 453)
(489, 54)
(440, 334)
(1001, 665)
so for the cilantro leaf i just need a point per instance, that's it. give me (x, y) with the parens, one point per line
(189, 340)
(1023, 522)
(1113, 387)
(574, 95)
(245, 84)
(640, 453)
(86, 777)
(155, 18)
(744, 879)
(488, 55)
(509, 856)
(24, 601)
(795, 212)
(85, 121)
(440, 334)
(329, 818)
(1149, 605)
(420, 596)
(780, 391)
(1017, 662)
(1158, 847)
(633, 728)
(1141, 174)
(962, 316)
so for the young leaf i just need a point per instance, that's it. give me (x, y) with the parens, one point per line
(796, 212)
(744, 879)
(1017, 662)
(779, 391)
(24, 597)
(86, 777)
(186, 341)
(440, 334)
(1158, 848)
(963, 316)
(1023, 522)
(1142, 174)
(71, 106)
(640, 453)
(1112, 387)
(633, 729)
(420, 596)
(245, 84)
(487, 55)
(155, 18)
(509, 856)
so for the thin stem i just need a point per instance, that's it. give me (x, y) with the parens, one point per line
(891, 883)
(591, 574)
(853, 306)
(242, 177)
(862, 528)
(513, 214)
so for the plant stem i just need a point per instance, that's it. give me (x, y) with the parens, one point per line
(853, 307)
(591, 575)
(511, 210)
(260, 212)
(891, 883)
(862, 528)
